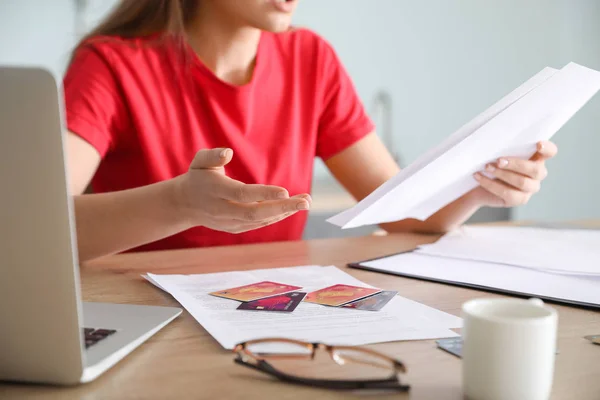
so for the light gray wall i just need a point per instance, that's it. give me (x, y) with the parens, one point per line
(37, 32)
(572, 190)
(445, 61)
(92, 11)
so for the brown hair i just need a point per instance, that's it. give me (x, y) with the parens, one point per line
(134, 18)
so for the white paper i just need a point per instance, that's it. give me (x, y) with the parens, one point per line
(496, 276)
(400, 319)
(512, 127)
(565, 251)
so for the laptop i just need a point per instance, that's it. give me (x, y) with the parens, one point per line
(47, 334)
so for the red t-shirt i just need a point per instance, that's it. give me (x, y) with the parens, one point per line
(148, 108)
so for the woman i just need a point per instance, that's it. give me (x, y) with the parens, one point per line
(197, 123)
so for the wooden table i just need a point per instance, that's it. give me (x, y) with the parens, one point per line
(183, 362)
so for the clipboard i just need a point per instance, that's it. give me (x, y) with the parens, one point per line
(486, 288)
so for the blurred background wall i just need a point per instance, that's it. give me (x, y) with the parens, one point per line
(422, 68)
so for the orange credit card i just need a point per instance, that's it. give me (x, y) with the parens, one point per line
(338, 295)
(255, 291)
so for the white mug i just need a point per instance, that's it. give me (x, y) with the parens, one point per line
(508, 350)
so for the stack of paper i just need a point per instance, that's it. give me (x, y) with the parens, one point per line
(560, 251)
(401, 319)
(490, 276)
(554, 264)
(512, 127)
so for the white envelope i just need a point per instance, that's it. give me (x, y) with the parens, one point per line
(534, 111)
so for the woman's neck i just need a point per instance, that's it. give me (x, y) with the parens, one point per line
(228, 48)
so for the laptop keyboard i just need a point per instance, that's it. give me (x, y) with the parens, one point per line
(93, 335)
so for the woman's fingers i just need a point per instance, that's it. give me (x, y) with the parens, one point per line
(268, 222)
(509, 196)
(532, 169)
(211, 159)
(239, 226)
(239, 192)
(255, 213)
(545, 151)
(516, 180)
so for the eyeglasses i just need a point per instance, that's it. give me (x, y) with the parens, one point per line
(304, 363)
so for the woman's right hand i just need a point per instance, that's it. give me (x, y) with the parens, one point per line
(211, 199)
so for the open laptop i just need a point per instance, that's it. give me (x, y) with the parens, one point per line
(47, 335)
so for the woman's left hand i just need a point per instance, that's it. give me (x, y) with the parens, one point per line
(516, 180)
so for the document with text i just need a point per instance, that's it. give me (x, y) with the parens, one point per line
(401, 319)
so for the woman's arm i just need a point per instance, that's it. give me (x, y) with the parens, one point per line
(364, 166)
(112, 222)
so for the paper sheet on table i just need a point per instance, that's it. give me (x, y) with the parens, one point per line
(564, 251)
(535, 111)
(501, 277)
(401, 319)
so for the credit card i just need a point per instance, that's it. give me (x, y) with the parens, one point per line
(594, 339)
(286, 302)
(374, 302)
(451, 345)
(338, 295)
(255, 291)
(455, 346)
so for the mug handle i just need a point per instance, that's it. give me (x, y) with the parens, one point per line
(536, 301)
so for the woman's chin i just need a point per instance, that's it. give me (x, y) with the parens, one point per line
(276, 24)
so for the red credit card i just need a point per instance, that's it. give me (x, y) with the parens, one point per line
(338, 295)
(255, 291)
(286, 302)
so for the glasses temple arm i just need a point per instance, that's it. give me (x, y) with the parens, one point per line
(265, 367)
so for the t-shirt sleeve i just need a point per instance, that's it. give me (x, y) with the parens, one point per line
(343, 120)
(93, 104)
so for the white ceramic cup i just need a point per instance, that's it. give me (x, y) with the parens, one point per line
(509, 348)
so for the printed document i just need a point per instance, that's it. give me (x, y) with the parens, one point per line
(561, 251)
(400, 319)
(533, 112)
(489, 276)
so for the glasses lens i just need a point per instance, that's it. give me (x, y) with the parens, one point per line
(364, 364)
(296, 360)
(279, 349)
